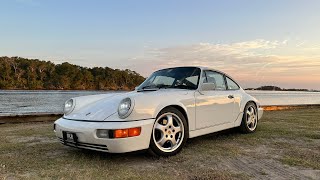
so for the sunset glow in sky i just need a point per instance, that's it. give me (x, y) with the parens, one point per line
(257, 42)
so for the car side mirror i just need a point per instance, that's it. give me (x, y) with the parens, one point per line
(208, 87)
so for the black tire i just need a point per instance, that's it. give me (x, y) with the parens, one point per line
(154, 150)
(244, 127)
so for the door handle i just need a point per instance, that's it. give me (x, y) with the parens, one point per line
(230, 96)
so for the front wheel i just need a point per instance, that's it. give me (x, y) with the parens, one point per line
(169, 133)
(250, 118)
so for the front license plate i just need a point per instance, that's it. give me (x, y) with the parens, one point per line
(69, 136)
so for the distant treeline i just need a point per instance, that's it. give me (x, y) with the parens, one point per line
(276, 88)
(33, 74)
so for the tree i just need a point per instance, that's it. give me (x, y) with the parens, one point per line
(22, 73)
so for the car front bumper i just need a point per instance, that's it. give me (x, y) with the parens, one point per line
(87, 138)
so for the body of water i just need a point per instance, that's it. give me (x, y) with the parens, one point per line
(267, 98)
(18, 102)
(42, 102)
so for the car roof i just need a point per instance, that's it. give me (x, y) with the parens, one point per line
(200, 67)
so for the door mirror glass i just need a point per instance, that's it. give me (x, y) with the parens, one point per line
(208, 87)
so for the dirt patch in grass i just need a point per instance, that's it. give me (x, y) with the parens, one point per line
(286, 145)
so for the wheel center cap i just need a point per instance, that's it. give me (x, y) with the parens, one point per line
(169, 132)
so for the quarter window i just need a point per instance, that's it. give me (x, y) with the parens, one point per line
(216, 78)
(232, 85)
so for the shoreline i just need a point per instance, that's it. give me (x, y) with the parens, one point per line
(286, 107)
(50, 117)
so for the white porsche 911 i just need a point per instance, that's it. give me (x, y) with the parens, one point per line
(169, 107)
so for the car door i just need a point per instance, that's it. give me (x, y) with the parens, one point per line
(214, 107)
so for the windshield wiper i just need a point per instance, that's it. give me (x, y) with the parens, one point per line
(148, 88)
(153, 87)
(162, 86)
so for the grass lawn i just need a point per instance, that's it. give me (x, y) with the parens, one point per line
(286, 145)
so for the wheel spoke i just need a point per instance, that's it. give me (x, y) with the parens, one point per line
(173, 141)
(160, 127)
(254, 120)
(248, 117)
(252, 124)
(251, 111)
(177, 129)
(248, 113)
(170, 120)
(162, 141)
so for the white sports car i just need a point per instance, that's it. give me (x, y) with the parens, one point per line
(169, 107)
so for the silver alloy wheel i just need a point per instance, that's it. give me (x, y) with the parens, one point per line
(168, 132)
(252, 118)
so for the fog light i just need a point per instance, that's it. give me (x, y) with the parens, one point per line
(102, 133)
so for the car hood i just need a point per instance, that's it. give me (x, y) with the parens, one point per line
(98, 110)
(106, 107)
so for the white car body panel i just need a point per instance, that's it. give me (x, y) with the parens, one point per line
(206, 112)
(215, 103)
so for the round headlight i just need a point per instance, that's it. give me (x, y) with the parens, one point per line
(125, 108)
(68, 106)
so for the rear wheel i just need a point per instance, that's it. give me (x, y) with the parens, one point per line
(169, 133)
(250, 118)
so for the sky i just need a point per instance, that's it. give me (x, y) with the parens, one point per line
(258, 42)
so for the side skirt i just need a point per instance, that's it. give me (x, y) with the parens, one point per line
(209, 130)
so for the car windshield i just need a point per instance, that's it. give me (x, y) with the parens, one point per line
(181, 77)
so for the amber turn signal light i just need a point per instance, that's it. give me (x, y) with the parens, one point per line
(123, 133)
(134, 131)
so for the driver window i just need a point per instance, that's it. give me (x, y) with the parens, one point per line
(216, 78)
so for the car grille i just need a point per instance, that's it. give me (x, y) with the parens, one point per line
(97, 147)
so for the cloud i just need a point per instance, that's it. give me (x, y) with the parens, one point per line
(253, 63)
(238, 50)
